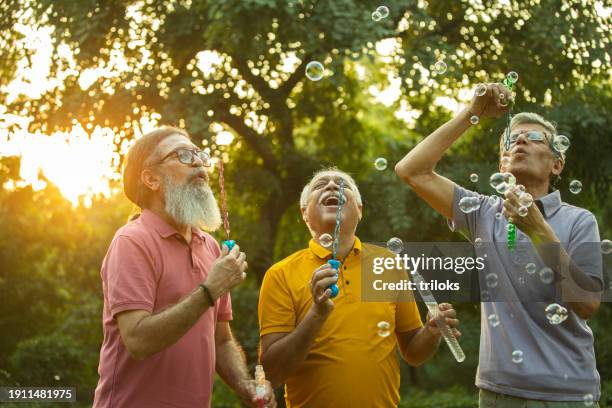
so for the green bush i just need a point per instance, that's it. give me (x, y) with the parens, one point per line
(455, 397)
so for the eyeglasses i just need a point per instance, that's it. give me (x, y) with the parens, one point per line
(532, 135)
(188, 156)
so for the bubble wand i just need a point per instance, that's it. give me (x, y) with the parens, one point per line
(509, 82)
(334, 262)
(434, 309)
(229, 243)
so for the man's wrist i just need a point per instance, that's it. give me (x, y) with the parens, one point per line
(207, 294)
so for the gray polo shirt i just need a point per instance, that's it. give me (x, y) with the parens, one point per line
(558, 361)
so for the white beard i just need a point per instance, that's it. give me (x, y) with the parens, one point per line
(191, 204)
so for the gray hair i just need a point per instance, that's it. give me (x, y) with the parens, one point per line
(330, 171)
(536, 119)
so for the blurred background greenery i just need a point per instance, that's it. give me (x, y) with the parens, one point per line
(232, 74)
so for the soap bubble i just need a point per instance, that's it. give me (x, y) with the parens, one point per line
(555, 313)
(493, 200)
(474, 120)
(575, 186)
(326, 240)
(478, 242)
(493, 320)
(56, 377)
(496, 179)
(314, 70)
(520, 189)
(499, 216)
(492, 280)
(480, 89)
(501, 182)
(474, 178)
(395, 245)
(523, 211)
(485, 296)
(526, 199)
(561, 143)
(502, 100)
(384, 329)
(505, 161)
(588, 400)
(530, 268)
(440, 67)
(380, 163)
(547, 275)
(517, 356)
(512, 77)
(606, 246)
(376, 16)
(383, 11)
(469, 204)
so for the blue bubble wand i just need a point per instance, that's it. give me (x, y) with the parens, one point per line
(334, 261)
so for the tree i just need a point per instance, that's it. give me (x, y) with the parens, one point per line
(287, 125)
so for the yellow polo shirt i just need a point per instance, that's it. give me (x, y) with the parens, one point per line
(349, 364)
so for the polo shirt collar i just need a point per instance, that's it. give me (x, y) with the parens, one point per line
(549, 203)
(164, 229)
(323, 253)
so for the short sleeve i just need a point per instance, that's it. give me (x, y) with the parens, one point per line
(467, 224)
(276, 310)
(407, 317)
(129, 276)
(584, 246)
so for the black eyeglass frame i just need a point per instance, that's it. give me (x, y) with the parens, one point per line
(189, 160)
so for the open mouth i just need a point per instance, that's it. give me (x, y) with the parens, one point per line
(331, 200)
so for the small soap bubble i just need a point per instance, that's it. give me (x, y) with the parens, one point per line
(474, 178)
(561, 143)
(502, 100)
(493, 320)
(530, 268)
(380, 163)
(512, 77)
(547, 275)
(480, 90)
(523, 211)
(520, 189)
(499, 216)
(505, 162)
(440, 67)
(474, 120)
(478, 242)
(502, 188)
(395, 245)
(555, 313)
(383, 11)
(492, 280)
(496, 179)
(517, 356)
(383, 329)
(314, 70)
(588, 400)
(56, 377)
(376, 16)
(485, 296)
(326, 240)
(526, 199)
(606, 246)
(494, 200)
(575, 186)
(469, 204)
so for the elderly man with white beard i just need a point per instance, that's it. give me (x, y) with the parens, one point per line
(166, 287)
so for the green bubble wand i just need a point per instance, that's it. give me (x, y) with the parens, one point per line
(509, 82)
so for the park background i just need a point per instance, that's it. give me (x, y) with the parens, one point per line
(80, 80)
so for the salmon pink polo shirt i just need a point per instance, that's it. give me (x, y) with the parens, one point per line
(149, 266)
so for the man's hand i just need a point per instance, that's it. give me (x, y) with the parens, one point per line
(493, 103)
(249, 396)
(322, 278)
(227, 271)
(533, 224)
(449, 314)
